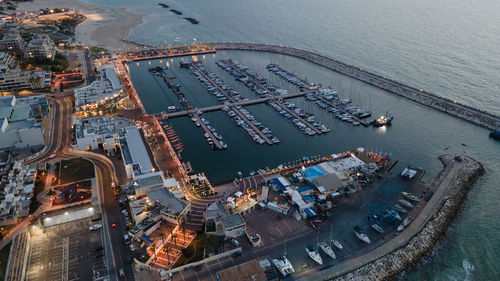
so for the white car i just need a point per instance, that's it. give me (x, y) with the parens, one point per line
(235, 242)
(127, 239)
(52, 155)
(95, 227)
(131, 247)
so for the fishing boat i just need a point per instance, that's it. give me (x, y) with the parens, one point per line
(313, 254)
(361, 236)
(410, 196)
(327, 249)
(406, 203)
(495, 135)
(384, 120)
(400, 209)
(377, 228)
(409, 172)
(283, 265)
(337, 244)
(404, 224)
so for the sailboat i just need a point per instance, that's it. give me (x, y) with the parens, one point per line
(361, 236)
(313, 254)
(283, 264)
(335, 241)
(327, 249)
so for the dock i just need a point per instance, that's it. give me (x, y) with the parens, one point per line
(241, 115)
(221, 106)
(205, 128)
(277, 102)
(361, 121)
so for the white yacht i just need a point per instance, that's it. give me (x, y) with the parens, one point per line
(361, 236)
(283, 265)
(410, 196)
(327, 249)
(409, 172)
(337, 244)
(406, 203)
(377, 228)
(314, 254)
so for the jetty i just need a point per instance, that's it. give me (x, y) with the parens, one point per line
(277, 102)
(361, 121)
(210, 134)
(233, 104)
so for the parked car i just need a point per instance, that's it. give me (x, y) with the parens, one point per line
(95, 227)
(132, 248)
(235, 242)
(127, 239)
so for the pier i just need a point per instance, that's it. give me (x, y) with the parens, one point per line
(241, 115)
(316, 130)
(361, 121)
(468, 113)
(210, 134)
(221, 106)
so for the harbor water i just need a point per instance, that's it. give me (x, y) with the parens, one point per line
(449, 48)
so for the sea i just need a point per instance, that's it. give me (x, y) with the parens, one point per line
(446, 47)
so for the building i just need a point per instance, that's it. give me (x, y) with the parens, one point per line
(105, 89)
(16, 193)
(172, 209)
(100, 133)
(12, 42)
(134, 153)
(40, 47)
(219, 222)
(12, 78)
(143, 183)
(247, 271)
(20, 129)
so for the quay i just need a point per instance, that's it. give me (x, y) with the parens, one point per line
(468, 113)
(402, 252)
(277, 102)
(241, 115)
(165, 53)
(221, 106)
(205, 128)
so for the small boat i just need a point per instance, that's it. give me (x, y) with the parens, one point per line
(197, 124)
(406, 203)
(377, 228)
(409, 172)
(337, 244)
(327, 249)
(400, 209)
(404, 224)
(410, 196)
(223, 144)
(361, 236)
(495, 135)
(283, 265)
(313, 254)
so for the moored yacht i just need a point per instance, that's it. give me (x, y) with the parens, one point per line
(283, 265)
(361, 236)
(313, 254)
(327, 249)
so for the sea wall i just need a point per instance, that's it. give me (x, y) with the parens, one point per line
(421, 245)
(465, 112)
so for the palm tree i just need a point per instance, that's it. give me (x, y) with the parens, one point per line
(165, 250)
(183, 227)
(174, 239)
(162, 237)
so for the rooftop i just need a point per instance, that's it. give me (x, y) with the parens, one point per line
(232, 220)
(167, 200)
(137, 150)
(247, 271)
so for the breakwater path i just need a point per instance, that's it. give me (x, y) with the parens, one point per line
(404, 251)
(465, 112)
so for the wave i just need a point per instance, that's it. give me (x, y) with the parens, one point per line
(465, 273)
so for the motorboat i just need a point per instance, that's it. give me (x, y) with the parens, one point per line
(404, 224)
(361, 236)
(313, 254)
(400, 209)
(410, 196)
(409, 172)
(327, 249)
(283, 265)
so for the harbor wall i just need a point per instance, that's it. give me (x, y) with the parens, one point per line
(451, 107)
(418, 246)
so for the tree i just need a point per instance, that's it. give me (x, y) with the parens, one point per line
(183, 227)
(165, 250)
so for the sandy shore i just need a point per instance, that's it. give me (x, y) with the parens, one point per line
(105, 27)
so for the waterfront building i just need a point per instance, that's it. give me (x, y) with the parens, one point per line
(105, 89)
(134, 153)
(145, 182)
(172, 209)
(218, 221)
(20, 126)
(100, 133)
(11, 77)
(40, 47)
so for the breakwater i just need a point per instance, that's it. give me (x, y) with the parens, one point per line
(420, 96)
(405, 251)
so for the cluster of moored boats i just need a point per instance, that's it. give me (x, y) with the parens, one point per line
(173, 138)
(263, 88)
(216, 136)
(239, 115)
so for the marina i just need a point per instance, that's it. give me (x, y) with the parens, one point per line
(259, 135)
(286, 109)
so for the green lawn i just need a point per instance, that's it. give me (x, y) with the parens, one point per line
(4, 257)
(75, 169)
(94, 49)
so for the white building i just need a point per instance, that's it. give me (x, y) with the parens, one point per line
(12, 77)
(100, 133)
(101, 91)
(134, 153)
(172, 209)
(40, 47)
(19, 127)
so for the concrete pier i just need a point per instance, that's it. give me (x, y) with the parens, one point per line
(205, 128)
(221, 106)
(465, 112)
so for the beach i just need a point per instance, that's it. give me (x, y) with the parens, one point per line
(105, 27)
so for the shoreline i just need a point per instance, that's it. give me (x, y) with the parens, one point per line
(106, 27)
(402, 254)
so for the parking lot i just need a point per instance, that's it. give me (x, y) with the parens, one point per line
(68, 251)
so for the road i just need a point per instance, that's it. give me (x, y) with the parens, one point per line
(60, 144)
